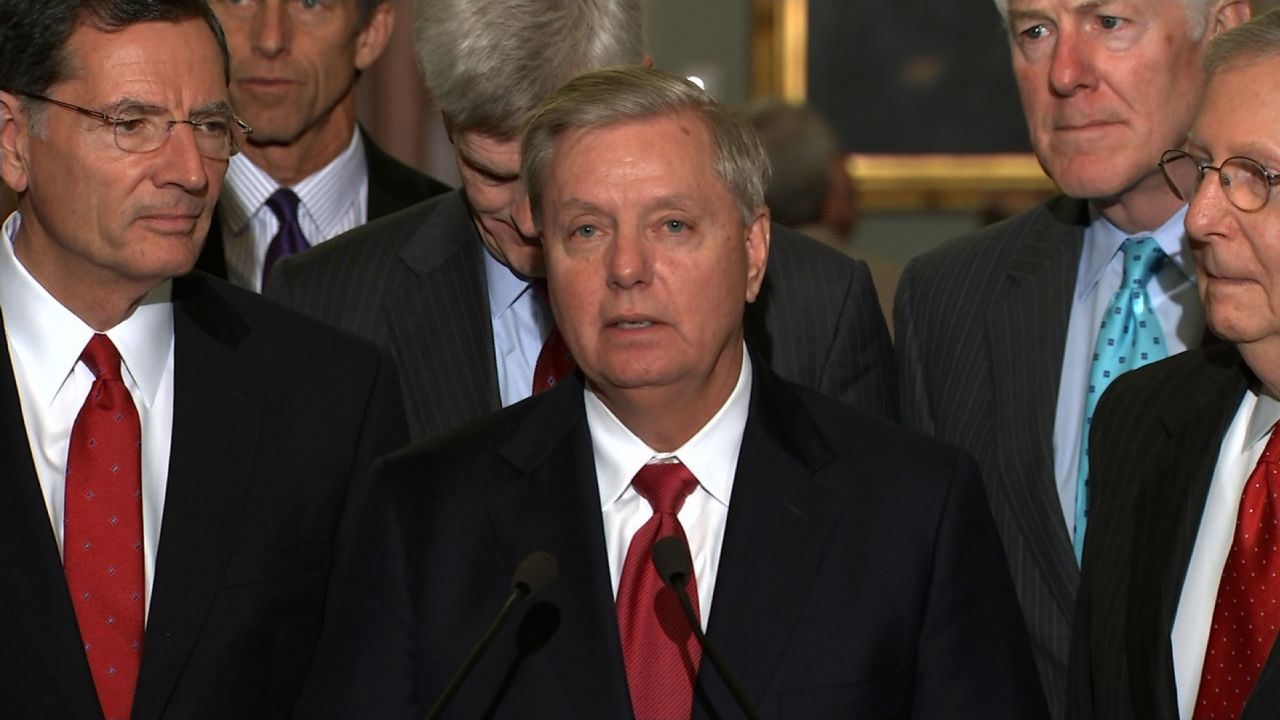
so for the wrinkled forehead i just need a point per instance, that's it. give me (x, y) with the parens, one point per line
(177, 65)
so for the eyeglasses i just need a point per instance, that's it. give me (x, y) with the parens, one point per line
(215, 138)
(1245, 182)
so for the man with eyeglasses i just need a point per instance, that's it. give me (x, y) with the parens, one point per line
(1007, 337)
(177, 469)
(1180, 599)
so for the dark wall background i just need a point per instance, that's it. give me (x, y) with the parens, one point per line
(911, 76)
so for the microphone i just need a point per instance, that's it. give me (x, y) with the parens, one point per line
(671, 558)
(534, 574)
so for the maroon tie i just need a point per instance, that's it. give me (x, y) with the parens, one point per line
(658, 647)
(555, 362)
(1248, 608)
(102, 531)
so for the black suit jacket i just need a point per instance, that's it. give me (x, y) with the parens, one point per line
(415, 283)
(860, 576)
(981, 326)
(392, 186)
(1153, 452)
(269, 449)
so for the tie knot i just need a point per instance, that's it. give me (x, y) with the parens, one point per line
(284, 203)
(102, 358)
(1142, 258)
(665, 485)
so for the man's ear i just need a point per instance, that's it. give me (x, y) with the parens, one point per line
(14, 134)
(1227, 14)
(373, 39)
(757, 252)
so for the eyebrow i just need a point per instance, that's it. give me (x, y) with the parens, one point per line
(663, 202)
(135, 106)
(475, 164)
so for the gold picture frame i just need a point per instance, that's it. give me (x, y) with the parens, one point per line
(908, 182)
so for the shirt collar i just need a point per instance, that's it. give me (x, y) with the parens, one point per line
(1103, 241)
(711, 454)
(505, 286)
(324, 195)
(1266, 412)
(49, 338)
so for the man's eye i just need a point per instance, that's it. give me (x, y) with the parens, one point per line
(309, 4)
(585, 231)
(676, 226)
(1035, 32)
(1110, 22)
(214, 126)
(132, 126)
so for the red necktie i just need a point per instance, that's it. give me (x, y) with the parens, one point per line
(1248, 607)
(555, 362)
(658, 647)
(102, 531)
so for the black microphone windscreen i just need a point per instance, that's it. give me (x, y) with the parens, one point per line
(671, 558)
(535, 573)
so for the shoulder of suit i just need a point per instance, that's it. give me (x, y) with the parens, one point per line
(255, 324)
(388, 174)
(985, 247)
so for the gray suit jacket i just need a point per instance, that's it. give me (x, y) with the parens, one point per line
(981, 325)
(414, 282)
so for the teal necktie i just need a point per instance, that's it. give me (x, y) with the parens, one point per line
(1129, 337)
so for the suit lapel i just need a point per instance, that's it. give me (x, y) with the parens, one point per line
(1027, 334)
(440, 322)
(1171, 506)
(216, 406)
(780, 520)
(33, 585)
(556, 507)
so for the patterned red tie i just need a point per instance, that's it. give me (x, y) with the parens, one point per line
(658, 647)
(1248, 608)
(555, 362)
(102, 531)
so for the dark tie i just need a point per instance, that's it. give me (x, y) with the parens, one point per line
(102, 530)
(555, 362)
(1248, 607)
(289, 239)
(658, 647)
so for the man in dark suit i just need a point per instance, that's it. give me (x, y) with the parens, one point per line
(1001, 343)
(294, 69)
(179, 470)
(446, 285)
(854, 567)
(1178, 610)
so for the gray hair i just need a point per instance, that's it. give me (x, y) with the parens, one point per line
(1197, 12)
(627, 93)
(800, 145)
(488, 63)
(1258, 39)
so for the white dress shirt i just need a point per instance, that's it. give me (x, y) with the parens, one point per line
(522, 321)
(1173, 299)
(711, 455)
(331, 201)
(45, 341)
(1240, 450)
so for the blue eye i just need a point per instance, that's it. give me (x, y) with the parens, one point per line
(1109, 22)
(676, 226)
(585, 231)
(1035, 32)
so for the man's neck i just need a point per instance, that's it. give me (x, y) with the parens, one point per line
(1140, 209)
(288, 164)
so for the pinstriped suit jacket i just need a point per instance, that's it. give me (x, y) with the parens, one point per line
(981, 325)
(1153, 452)
(414, 282)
